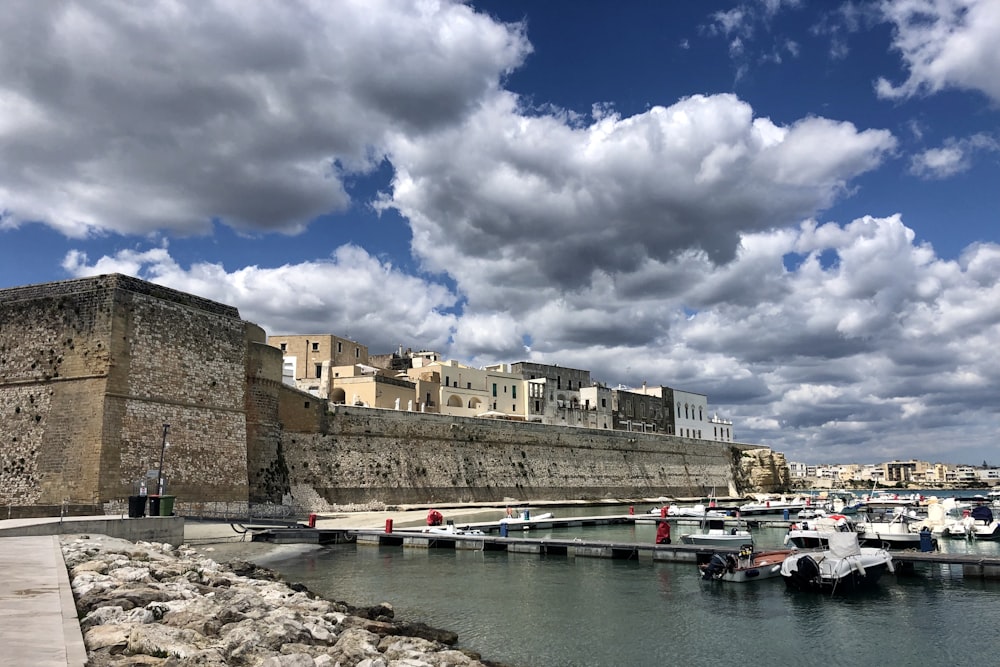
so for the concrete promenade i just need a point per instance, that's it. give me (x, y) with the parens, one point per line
(39, 626)
(38, 621)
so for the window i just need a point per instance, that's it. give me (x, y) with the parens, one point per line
(315, 347)
(538, 407)
(319, 370)
(513, 391)
(307, 404)
(340, 347)
(494, 390)
(447, 381)
(604, 402)
(284, 347)
(468, 385)
(357, 353)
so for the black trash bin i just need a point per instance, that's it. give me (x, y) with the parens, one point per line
(136, 507)
(154, 505)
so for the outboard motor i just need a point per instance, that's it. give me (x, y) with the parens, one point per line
(715, 567)
(806, 573)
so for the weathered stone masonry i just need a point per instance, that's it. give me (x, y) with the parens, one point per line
(359, 455)
(91, 369)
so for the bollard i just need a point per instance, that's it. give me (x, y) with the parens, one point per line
(312, 520)
(388, 526)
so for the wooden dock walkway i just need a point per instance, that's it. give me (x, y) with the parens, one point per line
(519, 541)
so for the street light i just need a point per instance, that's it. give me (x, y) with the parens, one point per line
(163, 448)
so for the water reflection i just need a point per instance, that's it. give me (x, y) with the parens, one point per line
(527, 609)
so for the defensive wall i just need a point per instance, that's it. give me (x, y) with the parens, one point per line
(91, 370)
(362, 455)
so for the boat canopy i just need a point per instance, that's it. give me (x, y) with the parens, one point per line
(982, 513)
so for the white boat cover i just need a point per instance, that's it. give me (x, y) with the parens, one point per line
(842, 545)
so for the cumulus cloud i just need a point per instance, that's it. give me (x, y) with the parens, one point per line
(351, 293)
(675, 246)
(507, 201)
(174, 115)
(954, 157)
(811, 340)
(944, 45)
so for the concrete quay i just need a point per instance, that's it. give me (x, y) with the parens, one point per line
(38, 620)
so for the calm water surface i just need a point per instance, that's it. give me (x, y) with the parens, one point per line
(535, 610)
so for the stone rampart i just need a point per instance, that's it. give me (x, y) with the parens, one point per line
(365, 455)
(91, 369)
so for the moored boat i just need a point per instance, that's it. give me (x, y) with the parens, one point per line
(809, 534)
(744, 565)
(976, 524)
(842, 567)
(901, 531)
(715, 534)
(775, 505)
(695, 512)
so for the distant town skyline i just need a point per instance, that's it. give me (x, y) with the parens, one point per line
(788, 207)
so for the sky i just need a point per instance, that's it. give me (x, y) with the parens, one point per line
(788, 206)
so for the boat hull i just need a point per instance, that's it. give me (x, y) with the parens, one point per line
(724, 541)
(745, 566)
(848, 583)
(838, 569)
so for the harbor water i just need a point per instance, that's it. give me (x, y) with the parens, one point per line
(531, 610)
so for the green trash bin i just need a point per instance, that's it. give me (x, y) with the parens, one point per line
(167, 505)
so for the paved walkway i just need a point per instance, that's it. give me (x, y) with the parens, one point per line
(38, 621)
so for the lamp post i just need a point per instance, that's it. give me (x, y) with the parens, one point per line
(163, 449)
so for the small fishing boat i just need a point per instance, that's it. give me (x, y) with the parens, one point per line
(715, 534)
(842, 567)
(525, 519)
(745, 565)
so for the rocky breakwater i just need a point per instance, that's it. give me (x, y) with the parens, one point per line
(158, 605)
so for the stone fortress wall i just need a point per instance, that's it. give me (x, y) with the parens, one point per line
(359, 455)
(91, 370)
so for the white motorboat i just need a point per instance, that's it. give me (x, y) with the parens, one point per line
(887, 500)
(745, 565)
(901, 531)
(525, 519)
(714, 533)
(844, 566)
(450, 529)
(809, 534)
(775, 505)
(695, 512)
(976, 524)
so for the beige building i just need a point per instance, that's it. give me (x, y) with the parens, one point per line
(306, 358)
(370, 387)
(464, 391)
